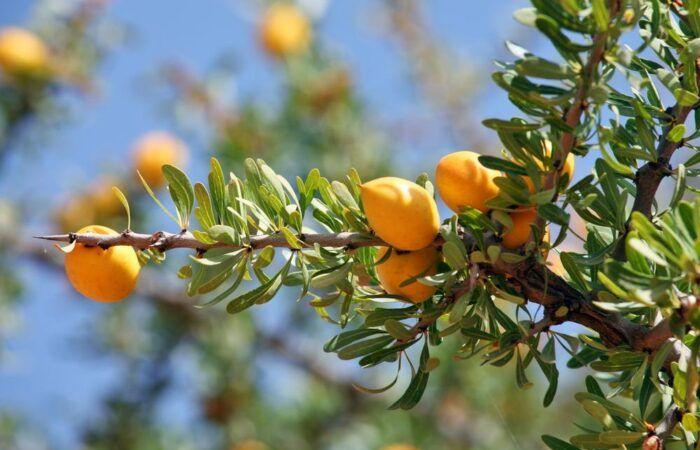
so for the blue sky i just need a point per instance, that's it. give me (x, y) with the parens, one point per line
(46, 378)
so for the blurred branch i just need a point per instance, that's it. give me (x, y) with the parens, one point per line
(447, 81)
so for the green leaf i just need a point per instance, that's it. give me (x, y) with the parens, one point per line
(364, 347)
(155, 199)
(346, 338)
(501, 164)
(125, 203)
(680, 186)
(677, 133)
(685, 98)
(181, 192)
(557, 444)
(621, 436)
(553, 213)
(691, 422)
(504, 125)
(415, 389)
(225, 235)
(204, 211)
(261, 294)
(397, 330)
(601, 14)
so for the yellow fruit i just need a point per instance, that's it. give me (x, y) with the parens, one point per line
(399, 447)
(22, 52)
(400, 212)
(521, 232)
(284, 30)
(155, 149)
(462, 181)
(568, 168)
(249, 444)
(102, 275)
(74, 214)
(400, 266)
(106, 203)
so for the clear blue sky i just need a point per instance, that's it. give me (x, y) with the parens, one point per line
(46, 378)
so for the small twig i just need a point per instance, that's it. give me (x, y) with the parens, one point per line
(663, 430)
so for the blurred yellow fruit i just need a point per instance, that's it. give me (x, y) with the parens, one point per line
(400, 266)
(74, 214)
(155, 149)
(284, 30)
(399, 447)
(400, 212)
(521, 231)
(568, 168)
(249, 444)
(22, 52)
(102, 275)
(105, 202)
(462, 181)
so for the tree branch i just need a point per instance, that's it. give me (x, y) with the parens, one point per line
(658, 435)
(535, 281)
(572, 117)
(648, 177)
(164, 241)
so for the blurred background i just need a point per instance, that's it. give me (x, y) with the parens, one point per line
(385, 86)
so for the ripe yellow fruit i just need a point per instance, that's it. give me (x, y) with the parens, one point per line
(74, 214)
(462, 181)
(400, 266)
(521, 232)
(22, 52)
(568, 167)
(102, 275)
(155, 149)
(400, 212)
(105, 202)
(284, 30)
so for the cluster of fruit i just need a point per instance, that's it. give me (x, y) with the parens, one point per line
(402, 213)
(405, 216)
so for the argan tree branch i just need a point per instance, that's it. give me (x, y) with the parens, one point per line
(535, 281)
(573, 114)
(648, 177)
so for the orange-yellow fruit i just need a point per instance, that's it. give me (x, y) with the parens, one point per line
(462, 181)
(106, 203)
(22, 52)
(400, 212)
(74, 214)
(520, 232)
(568, 168)
(155, 149)
(284, 30)
(249, 444)
(102, 275)
(399, 447)
(400, 266)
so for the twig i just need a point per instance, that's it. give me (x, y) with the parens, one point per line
(658, 435)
